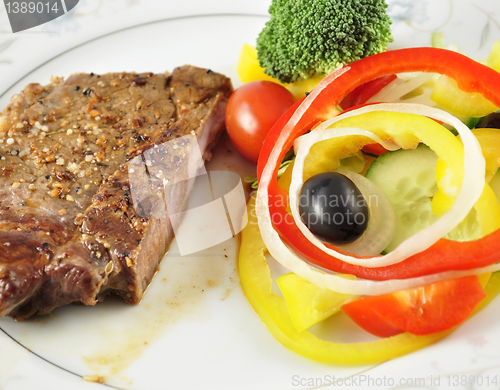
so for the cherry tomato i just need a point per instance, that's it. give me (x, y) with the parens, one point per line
(423, 310)
(251, 112)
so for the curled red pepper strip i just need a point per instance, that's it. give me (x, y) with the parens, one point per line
(445, 255)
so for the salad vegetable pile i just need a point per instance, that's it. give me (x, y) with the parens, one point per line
(388, 210)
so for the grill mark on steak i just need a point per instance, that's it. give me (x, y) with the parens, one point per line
(69, 229)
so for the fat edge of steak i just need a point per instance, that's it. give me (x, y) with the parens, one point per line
(104, 244)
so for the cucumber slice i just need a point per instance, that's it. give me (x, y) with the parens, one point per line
(408, 178)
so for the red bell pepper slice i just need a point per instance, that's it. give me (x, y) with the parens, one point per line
(445, 255)
(423, 310)
(375, 149)
(364, 92)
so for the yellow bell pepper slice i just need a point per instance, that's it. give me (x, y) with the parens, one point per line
(407, 130)
(448, 95)
(486, 210)
(309, 304)
(250, 70)
(484, 278)
(483, 219)
(256, 282)
(493, 60)
(300, 88)
(489, 140)
(495, 185)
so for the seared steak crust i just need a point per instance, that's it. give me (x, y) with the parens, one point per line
(69, 229)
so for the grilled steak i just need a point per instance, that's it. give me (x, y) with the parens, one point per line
(69, 228)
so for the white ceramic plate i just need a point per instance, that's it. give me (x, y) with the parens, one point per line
(194, 329)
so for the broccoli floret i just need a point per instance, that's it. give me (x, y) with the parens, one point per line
(306, 38)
